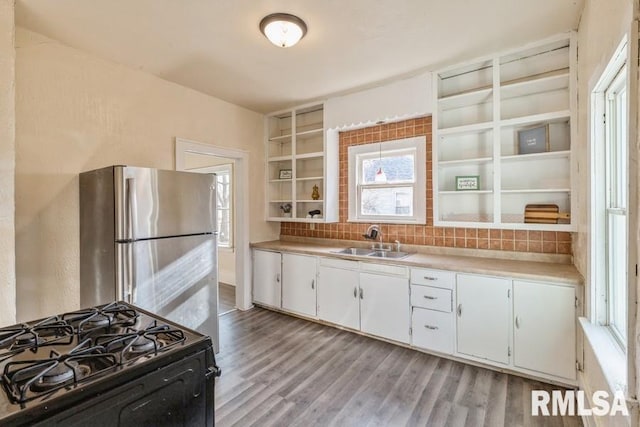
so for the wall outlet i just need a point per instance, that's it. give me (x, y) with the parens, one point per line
(312, 226)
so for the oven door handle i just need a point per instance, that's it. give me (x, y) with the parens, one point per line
(213, 371)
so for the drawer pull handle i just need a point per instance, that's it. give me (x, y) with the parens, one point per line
(459, 310)
(313, 284)
(430, 297)
(433, 328)
(430, 278)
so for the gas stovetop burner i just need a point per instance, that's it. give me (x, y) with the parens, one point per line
(49, 331)
(132, 343)
(107, 319)
(28, 379)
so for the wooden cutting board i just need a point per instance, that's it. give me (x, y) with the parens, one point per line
(544, 214)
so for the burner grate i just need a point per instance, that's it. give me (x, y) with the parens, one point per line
(50, 331)
(132, 343)
(28, 379)
(105, 319)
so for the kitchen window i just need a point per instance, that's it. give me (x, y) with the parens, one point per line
(224, 204)
(610, 194)
(387, 182)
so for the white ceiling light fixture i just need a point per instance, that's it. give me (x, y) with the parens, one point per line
(283, 29)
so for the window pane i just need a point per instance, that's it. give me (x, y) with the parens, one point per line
(385, 201)
(223, 204)
(617, 274)
(398, 168)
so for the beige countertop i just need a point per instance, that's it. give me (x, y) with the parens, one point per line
(517, 269)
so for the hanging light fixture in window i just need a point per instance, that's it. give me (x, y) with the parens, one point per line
(380, 175)
(283, 29)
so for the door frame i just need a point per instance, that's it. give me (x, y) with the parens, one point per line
(241, 217)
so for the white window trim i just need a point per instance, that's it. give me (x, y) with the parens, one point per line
(602, 341)
(419, 188)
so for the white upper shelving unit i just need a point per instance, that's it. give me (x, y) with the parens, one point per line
(481, 108)
(299, 158)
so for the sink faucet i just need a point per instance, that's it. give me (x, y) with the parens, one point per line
(397, 242)
(372, 233)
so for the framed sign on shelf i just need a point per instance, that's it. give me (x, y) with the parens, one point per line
(467, 183)
(533, 140)
(285, 174)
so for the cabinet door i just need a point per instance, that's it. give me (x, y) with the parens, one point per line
(266, 278)
(384, 306)
(544, 328)
(483, 313)
(299, 284)
(338, 296)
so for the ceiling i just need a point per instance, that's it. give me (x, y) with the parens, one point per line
(215, 46)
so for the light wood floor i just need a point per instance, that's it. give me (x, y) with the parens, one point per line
(227, 295)
(278, 370)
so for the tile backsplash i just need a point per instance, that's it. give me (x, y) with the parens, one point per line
(548, 242)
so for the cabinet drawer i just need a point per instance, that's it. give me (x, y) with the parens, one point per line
(432, 330)
(432, 298)
(439, 278)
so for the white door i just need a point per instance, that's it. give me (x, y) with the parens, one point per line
(483, 313)
(266, 278)
(299, 283)
(544, 322)
(338, 296)
(384, 306)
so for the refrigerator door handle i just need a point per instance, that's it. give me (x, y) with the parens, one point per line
(131, 208)
(131, 272)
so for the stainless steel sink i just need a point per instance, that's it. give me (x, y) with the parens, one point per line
(373, 253)
(389, 254)
(355, 251)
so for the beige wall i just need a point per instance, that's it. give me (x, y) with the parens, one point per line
(602, 27)
(7, 163)
(78, 112)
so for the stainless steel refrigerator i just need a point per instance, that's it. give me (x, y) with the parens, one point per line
(148, 237)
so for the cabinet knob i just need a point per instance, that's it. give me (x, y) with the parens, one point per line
(459, 310)
(278, 278)
(313, 284)
(361, 294)
(430, 297)
(517, 322)
(433, 328)
(355, 292)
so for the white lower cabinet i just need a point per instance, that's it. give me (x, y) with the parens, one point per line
(432, 330)
(338, 300)
(466, 315)
(431, 309)
(544, 328)
(267, 284)
(374, 301)
(299, 283)
(483, 317)
(384, 306)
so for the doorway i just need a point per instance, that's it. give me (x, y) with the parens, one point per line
(198, 157)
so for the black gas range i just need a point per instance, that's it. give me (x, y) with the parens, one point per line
(112, 365)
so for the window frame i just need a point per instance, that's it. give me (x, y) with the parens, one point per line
(601, 209)
(358, 153)
(228, 169)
